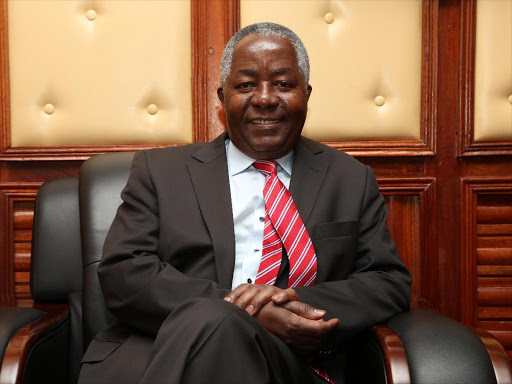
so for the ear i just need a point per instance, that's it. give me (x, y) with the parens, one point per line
(309, 89)
(220, 93)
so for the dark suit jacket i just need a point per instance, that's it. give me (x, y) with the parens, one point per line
(173, 237)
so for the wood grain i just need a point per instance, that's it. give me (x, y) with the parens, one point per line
(412, 223)
(395, 358)
(16, 213)
(487, 246)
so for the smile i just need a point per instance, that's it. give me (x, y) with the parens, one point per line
(264, 122)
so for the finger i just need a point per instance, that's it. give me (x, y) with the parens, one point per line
(243, 301)
(304, 310)
(235, 293)
(284, 296)
(316, 329)
(261, 298)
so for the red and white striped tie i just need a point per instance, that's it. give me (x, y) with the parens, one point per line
(283, 226)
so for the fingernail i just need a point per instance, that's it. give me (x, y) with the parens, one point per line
(250, 309)
(319, 311)
(227, 298)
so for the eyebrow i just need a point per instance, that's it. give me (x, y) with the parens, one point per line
(281, 71)
(248, 72)
(253, 73)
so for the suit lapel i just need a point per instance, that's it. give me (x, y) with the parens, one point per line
(309, 169)
(209, 174)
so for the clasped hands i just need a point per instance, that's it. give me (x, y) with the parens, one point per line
(297, 324)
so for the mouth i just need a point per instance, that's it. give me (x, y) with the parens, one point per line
(265, 121)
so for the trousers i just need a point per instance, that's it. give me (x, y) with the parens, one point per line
(202, 341)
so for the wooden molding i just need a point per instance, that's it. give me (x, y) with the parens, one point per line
(499, 358)
(20, 344)
(466, 143)
(223, 20)
(66, 153)
(425, 290)
(471, 187)
(393, 352)
(5, 100)
(199, 69)
(10, 192)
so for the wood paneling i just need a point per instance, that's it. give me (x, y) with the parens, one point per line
(487, 255)
(16, 213)
(216, 22)
(411, 221)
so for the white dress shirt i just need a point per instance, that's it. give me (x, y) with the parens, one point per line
(246, 184)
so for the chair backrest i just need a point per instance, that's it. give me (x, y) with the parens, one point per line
(56, 268)
(102, 179)
(56, 265)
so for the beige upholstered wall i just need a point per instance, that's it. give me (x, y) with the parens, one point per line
(493, 71)
(99, 72)
(365, 63)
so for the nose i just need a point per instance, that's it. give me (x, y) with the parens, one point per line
(264, 96)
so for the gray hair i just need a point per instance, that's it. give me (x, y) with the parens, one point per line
(264, 29)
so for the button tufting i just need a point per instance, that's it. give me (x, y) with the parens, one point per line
(49, 109)
(379, 101)
(152, 109)
(329, 18)
(91, 14)
(510, 99)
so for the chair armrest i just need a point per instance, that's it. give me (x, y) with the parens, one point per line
(12, 319)
(393, 353)
(45, 319)
(440, 350)
(499, 358)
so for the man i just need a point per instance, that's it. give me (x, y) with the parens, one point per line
(205, 284)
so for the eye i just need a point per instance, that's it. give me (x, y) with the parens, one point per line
(283, 84)
(245, 86)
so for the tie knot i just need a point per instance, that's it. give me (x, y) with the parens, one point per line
(267, 167)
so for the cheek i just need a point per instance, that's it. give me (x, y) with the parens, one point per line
(297, 106)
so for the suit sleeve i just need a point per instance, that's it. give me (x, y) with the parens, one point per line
(140, 289)
(378, 287)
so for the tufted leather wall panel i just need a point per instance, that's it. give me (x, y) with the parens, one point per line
(365, 66)
(493, 71)
(99, 72)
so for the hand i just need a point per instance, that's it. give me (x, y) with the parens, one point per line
(297, 324)
(252, 297)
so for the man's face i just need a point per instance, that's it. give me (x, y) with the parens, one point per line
(265, 97)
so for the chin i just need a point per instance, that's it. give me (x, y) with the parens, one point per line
(269, 153)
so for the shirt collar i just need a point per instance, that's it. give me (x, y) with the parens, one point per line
(239, 162)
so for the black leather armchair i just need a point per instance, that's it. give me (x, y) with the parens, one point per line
(45, 343)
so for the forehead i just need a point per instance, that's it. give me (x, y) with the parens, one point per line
(266, 50)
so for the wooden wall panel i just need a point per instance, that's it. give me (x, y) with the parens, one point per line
(487, 255)
(23, 211)
(411, 221)
(16, 212)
